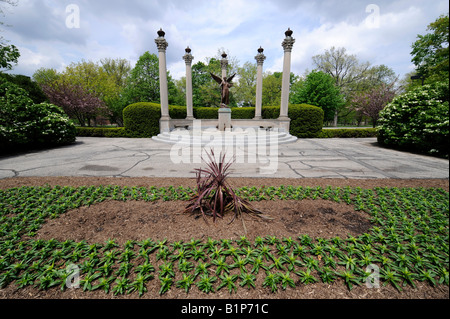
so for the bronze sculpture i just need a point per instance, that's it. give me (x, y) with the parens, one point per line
(225, 85)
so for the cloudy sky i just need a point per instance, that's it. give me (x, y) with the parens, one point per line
(48, 35)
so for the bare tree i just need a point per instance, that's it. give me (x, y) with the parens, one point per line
(345, 69)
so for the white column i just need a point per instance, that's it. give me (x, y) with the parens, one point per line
(189, 104)
(287, 44)
(260, 57)
(224, 65)
(164, 92)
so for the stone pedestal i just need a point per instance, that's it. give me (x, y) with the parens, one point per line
(224, 119)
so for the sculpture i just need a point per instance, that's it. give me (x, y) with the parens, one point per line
(225, 85)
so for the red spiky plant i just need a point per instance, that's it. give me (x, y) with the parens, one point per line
(215, 197)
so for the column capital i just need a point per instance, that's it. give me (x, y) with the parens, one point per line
(161, 43)
(224, 61)
(188, 56)
(289, 41)
(260, 57)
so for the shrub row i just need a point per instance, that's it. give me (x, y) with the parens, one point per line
(326, 133)
(142, 119)
(102, 132)
(348, 133)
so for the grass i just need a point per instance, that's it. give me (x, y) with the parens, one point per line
(408, 243)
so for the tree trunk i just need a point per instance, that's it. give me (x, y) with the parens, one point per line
(335, 122)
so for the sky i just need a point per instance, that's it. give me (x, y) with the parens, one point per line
(56, 33)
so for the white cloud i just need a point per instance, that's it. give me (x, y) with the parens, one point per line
(127, 29)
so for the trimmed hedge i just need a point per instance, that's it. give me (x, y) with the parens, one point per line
(204, 113)
(348, 133)
(142, 119)
(306, 120)
(103, 132)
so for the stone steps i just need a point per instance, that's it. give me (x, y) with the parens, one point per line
(237, 137)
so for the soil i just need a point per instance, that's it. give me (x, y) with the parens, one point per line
(138, 220)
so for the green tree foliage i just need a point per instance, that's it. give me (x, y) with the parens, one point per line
(345, 69)
(34, 90)
(319, 90)
(46, 76)
(92, 77)
(143, 83)
(272, 83)
(430, 52)
(246, 86)
(118, 69)
(9, 55)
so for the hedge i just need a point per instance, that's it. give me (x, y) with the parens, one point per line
(142, 119)
(103, 132)
(348, 133)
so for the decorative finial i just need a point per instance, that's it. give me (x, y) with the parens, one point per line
(260, 50)
(188, 50)
(224, 55)
(289, 32)
(161, 33)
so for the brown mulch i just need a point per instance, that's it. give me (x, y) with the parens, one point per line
(138, 220)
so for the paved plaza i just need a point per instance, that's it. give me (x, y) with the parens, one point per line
(360, 158)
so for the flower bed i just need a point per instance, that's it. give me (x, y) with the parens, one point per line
(407, 243)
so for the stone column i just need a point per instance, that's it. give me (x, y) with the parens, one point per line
(162, 45)
(189, 104)
(287, 44)
(260, 57)
(224, 64)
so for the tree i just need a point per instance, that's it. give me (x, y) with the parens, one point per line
(44, 76)
(345, 69)
(371, 102)
(272, 83)
(246, 86)
(430, 52)
(143, 82)
(76, 100)
(118, 69)
(34, 91)
(375, 76)
(319, 90)
(200, 77)
(93, 78)
(9, 55)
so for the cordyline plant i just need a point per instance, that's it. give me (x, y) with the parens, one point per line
(215, 197)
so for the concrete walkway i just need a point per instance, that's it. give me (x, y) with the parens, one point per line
(306, 158)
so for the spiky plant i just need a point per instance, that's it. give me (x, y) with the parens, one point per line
(215, 197)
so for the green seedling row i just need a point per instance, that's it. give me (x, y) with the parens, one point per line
(408, 243)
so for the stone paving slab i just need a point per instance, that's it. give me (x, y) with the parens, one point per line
(306, 158)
